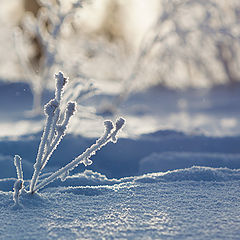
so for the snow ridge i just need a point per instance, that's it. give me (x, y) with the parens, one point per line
(195, 173)
(90, 178)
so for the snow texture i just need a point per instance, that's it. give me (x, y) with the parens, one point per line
(173, 205)
(166, 184)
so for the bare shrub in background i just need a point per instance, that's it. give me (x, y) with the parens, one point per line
(40, 58)
(193, 43)
(186, 43)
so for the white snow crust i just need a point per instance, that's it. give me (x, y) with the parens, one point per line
(195, 203)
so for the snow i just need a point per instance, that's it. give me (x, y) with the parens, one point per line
(206, 207)
(173, 174)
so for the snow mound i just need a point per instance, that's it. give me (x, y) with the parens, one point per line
(86, 178)
(162, 162)
(195, 173)
(94, 183)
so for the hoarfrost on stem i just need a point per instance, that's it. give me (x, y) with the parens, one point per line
(18, 165)
(54, 130)
(84, 158)
(18, 186)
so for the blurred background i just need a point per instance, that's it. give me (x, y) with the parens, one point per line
(188, 43)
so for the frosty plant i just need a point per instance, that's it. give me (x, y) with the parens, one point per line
(53, 133)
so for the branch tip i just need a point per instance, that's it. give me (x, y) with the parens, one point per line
(71, 108)
(50, 107)
(108, 125)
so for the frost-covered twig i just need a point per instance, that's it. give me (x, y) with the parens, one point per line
(18, 165)
(19, 184)
(109, 135)
(53, 133)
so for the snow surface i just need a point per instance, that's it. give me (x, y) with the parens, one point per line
(174, 173)
(195, 203)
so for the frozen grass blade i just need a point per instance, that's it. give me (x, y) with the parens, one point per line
(18, 186)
